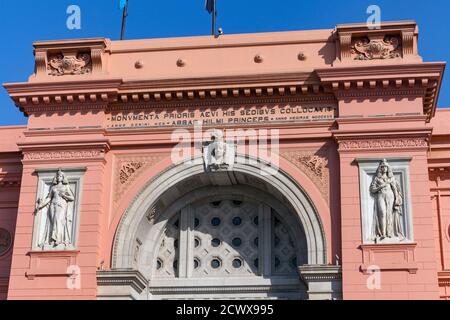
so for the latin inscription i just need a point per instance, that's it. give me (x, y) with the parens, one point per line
(221, 116)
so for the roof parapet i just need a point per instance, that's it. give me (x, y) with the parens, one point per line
(392, 42)
(70, 57)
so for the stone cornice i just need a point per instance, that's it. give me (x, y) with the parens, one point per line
(131, 278)
(88, 94)
(204, 99)
(320, 273)
(419, 80)
(98, 94)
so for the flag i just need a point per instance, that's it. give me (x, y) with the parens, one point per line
(209, 5)
(122, 4)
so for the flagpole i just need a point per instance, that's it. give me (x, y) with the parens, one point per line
(124, 20)
(213, 31)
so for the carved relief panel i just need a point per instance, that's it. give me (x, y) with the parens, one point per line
(376, 47)
(57, 209)
(74, 63)
(385, 201)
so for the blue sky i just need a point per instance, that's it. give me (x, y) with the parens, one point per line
(24, 21)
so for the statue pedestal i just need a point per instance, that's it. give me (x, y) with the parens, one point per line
(51, 263)
(389, 257)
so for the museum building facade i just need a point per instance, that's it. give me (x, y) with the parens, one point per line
(290, 165)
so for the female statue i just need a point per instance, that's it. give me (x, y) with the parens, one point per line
(57, 232)
(387, 223)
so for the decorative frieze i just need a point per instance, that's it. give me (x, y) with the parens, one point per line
(382, 144)
(63, 155)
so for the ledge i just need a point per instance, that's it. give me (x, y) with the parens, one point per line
(132, 282)
(51, 263)
(309, 273)
(389, 257)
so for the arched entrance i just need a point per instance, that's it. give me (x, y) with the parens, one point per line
(230, 234)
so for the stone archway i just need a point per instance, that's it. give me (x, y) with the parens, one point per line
(185, 185)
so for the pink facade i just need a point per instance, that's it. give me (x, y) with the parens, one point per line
(366, 94)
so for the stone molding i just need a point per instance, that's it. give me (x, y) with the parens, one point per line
(223, 289)
(120, 284)
(233, 101)
(444, 279)
(310, 273)
(324, 282)
(88, 94)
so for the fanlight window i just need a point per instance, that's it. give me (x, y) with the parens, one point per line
(227, 238)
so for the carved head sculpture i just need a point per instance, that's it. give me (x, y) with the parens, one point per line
(217, 136)
(60, 177)
(384, 168)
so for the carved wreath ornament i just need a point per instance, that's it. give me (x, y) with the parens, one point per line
(376, 48)
(60, 64)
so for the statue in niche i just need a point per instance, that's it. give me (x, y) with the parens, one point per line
(58, 227)
(218, 154)
(388, 209)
